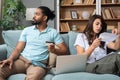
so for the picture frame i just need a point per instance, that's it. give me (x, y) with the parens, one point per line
(74, 14)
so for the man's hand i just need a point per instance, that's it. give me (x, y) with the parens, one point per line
(51, 48)
(8, 62)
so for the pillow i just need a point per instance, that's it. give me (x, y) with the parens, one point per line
(65, 38)
(52, 56)
(52, 60)
(72, 37)
(11, 38)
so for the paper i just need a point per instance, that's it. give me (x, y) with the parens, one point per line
(108, 37)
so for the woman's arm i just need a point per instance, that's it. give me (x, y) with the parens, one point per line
(81, 50)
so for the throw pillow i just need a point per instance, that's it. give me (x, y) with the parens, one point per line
(52, 56)
(72, 37)
(11, 38)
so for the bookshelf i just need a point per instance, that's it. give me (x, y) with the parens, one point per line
(111, 12)
(75, 14)
(71, 12)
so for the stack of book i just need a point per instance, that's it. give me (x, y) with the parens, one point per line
(64, 27)
(108, 13)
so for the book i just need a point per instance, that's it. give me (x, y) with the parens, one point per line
(94, 12)
(103, 14)
(107, 13)
(91, 2)
(112, 13)
(67, 2)
(64, 27)
(85, 1)
(110, 27)
(103, 1)
(118, 25)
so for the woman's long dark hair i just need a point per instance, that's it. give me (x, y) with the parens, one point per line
(89, 28)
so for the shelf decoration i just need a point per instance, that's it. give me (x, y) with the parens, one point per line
(77, 2)
(74, 14)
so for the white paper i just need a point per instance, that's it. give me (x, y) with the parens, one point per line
(108, 37)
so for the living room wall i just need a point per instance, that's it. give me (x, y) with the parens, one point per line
(36, 3)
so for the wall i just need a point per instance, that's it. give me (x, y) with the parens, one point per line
(36, 3)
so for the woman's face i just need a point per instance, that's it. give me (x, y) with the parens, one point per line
(97, 26)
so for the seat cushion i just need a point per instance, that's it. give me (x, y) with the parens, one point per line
(22, 77)
(11, 38)
(17, 77)
(85, 76)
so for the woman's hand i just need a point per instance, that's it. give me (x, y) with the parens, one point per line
(96, 43)
(8, 62)
(116, 31)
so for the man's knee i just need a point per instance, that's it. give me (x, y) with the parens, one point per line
(1, 78)
(2, 74)
(32, 77)
(35, 73)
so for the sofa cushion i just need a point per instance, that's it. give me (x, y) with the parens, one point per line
(85, 76)
(3, 52)
(22, 77)
(72, 37)
(65, 39)
(11, 38)
(17, 77)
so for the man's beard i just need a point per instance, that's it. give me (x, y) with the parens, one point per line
(34, 22)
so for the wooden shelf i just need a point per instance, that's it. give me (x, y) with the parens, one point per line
(111, 4)
(65, 14)
(112, 19)
(73, 19)
(80, 5)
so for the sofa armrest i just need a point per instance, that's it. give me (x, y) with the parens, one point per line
(3, 52)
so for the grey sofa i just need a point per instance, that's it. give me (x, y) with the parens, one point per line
(11, 37)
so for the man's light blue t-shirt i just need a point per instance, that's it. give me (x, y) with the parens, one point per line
(36, 48)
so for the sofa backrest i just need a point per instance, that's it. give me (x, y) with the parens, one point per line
(72, 37)
(11, 38)
(69, 39)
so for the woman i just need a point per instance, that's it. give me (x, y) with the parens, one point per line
(89, 43)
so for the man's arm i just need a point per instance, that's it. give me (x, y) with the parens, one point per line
(60, 49)
(20, 46)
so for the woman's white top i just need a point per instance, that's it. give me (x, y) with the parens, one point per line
(98, 52)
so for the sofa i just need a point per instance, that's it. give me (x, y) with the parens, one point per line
(11, 37)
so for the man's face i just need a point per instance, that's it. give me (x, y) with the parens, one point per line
(38, 17)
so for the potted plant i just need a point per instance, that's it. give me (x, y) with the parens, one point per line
(12, 12)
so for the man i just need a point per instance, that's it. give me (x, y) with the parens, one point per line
(31, 52)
